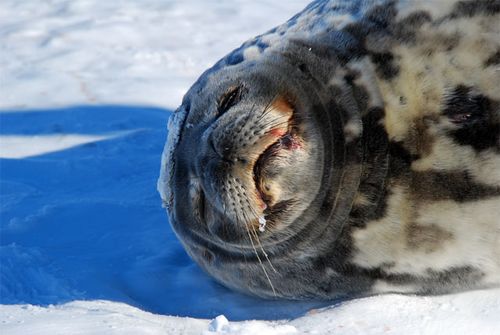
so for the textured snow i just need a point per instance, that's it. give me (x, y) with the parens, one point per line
(465, 313)
(61, 52)
(218, 324)
(86, 88)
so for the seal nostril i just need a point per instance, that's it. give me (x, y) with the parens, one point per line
(225, 154)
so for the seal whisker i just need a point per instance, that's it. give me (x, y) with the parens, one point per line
(263, 251)
(274, 123)
(267, 106)
(256, 235)
(260, 262)
(264, 123)
(258, 257)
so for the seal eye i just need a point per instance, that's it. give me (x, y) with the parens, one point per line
(229, 99)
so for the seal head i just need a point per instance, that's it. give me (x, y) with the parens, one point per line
(257, 168)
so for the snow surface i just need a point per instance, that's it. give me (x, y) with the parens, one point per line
(86, 88)
(464, 313)
(142, 52)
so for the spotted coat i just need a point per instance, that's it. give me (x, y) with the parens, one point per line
(425, 79)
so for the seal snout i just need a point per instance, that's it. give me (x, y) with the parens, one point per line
(245, 160)
(264, 153)
(264, 165)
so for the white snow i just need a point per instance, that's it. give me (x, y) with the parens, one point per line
(464, 313)
(12, 146)
(220, 323)
(61, 52)
(92, 317)
(86, 87)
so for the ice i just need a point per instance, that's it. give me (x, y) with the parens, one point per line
(218, 324)
(262, 224)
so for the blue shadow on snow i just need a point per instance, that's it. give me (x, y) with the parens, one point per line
(86, 223)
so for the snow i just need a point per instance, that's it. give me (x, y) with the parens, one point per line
(92, 317)
(86, 88)
(143, 52)
(218, 324)
(464, 313)
(35, 145)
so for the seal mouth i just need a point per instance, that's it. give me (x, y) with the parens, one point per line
(258, 172)
(287, 142)
(273, 207)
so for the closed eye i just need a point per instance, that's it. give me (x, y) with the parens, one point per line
(229, 99)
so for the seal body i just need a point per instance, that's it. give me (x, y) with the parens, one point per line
(353, 150)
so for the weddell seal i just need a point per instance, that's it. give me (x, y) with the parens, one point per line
(353, 150)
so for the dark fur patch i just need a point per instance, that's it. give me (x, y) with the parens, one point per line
(428, 238)
(449, 280)
(385, 65)
(436, 185)
(473, 114)
(377, 21)
(430, 281)
(401, 159)
(493, 59)
(377, 24)
(451, 185)
(374, 173)
(383, 15)
(359, 92)
(472, 8)
(484, 137)
(235, 57)
(344, 45)
(405, 29)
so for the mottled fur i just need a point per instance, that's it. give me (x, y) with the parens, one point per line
(378, 123)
